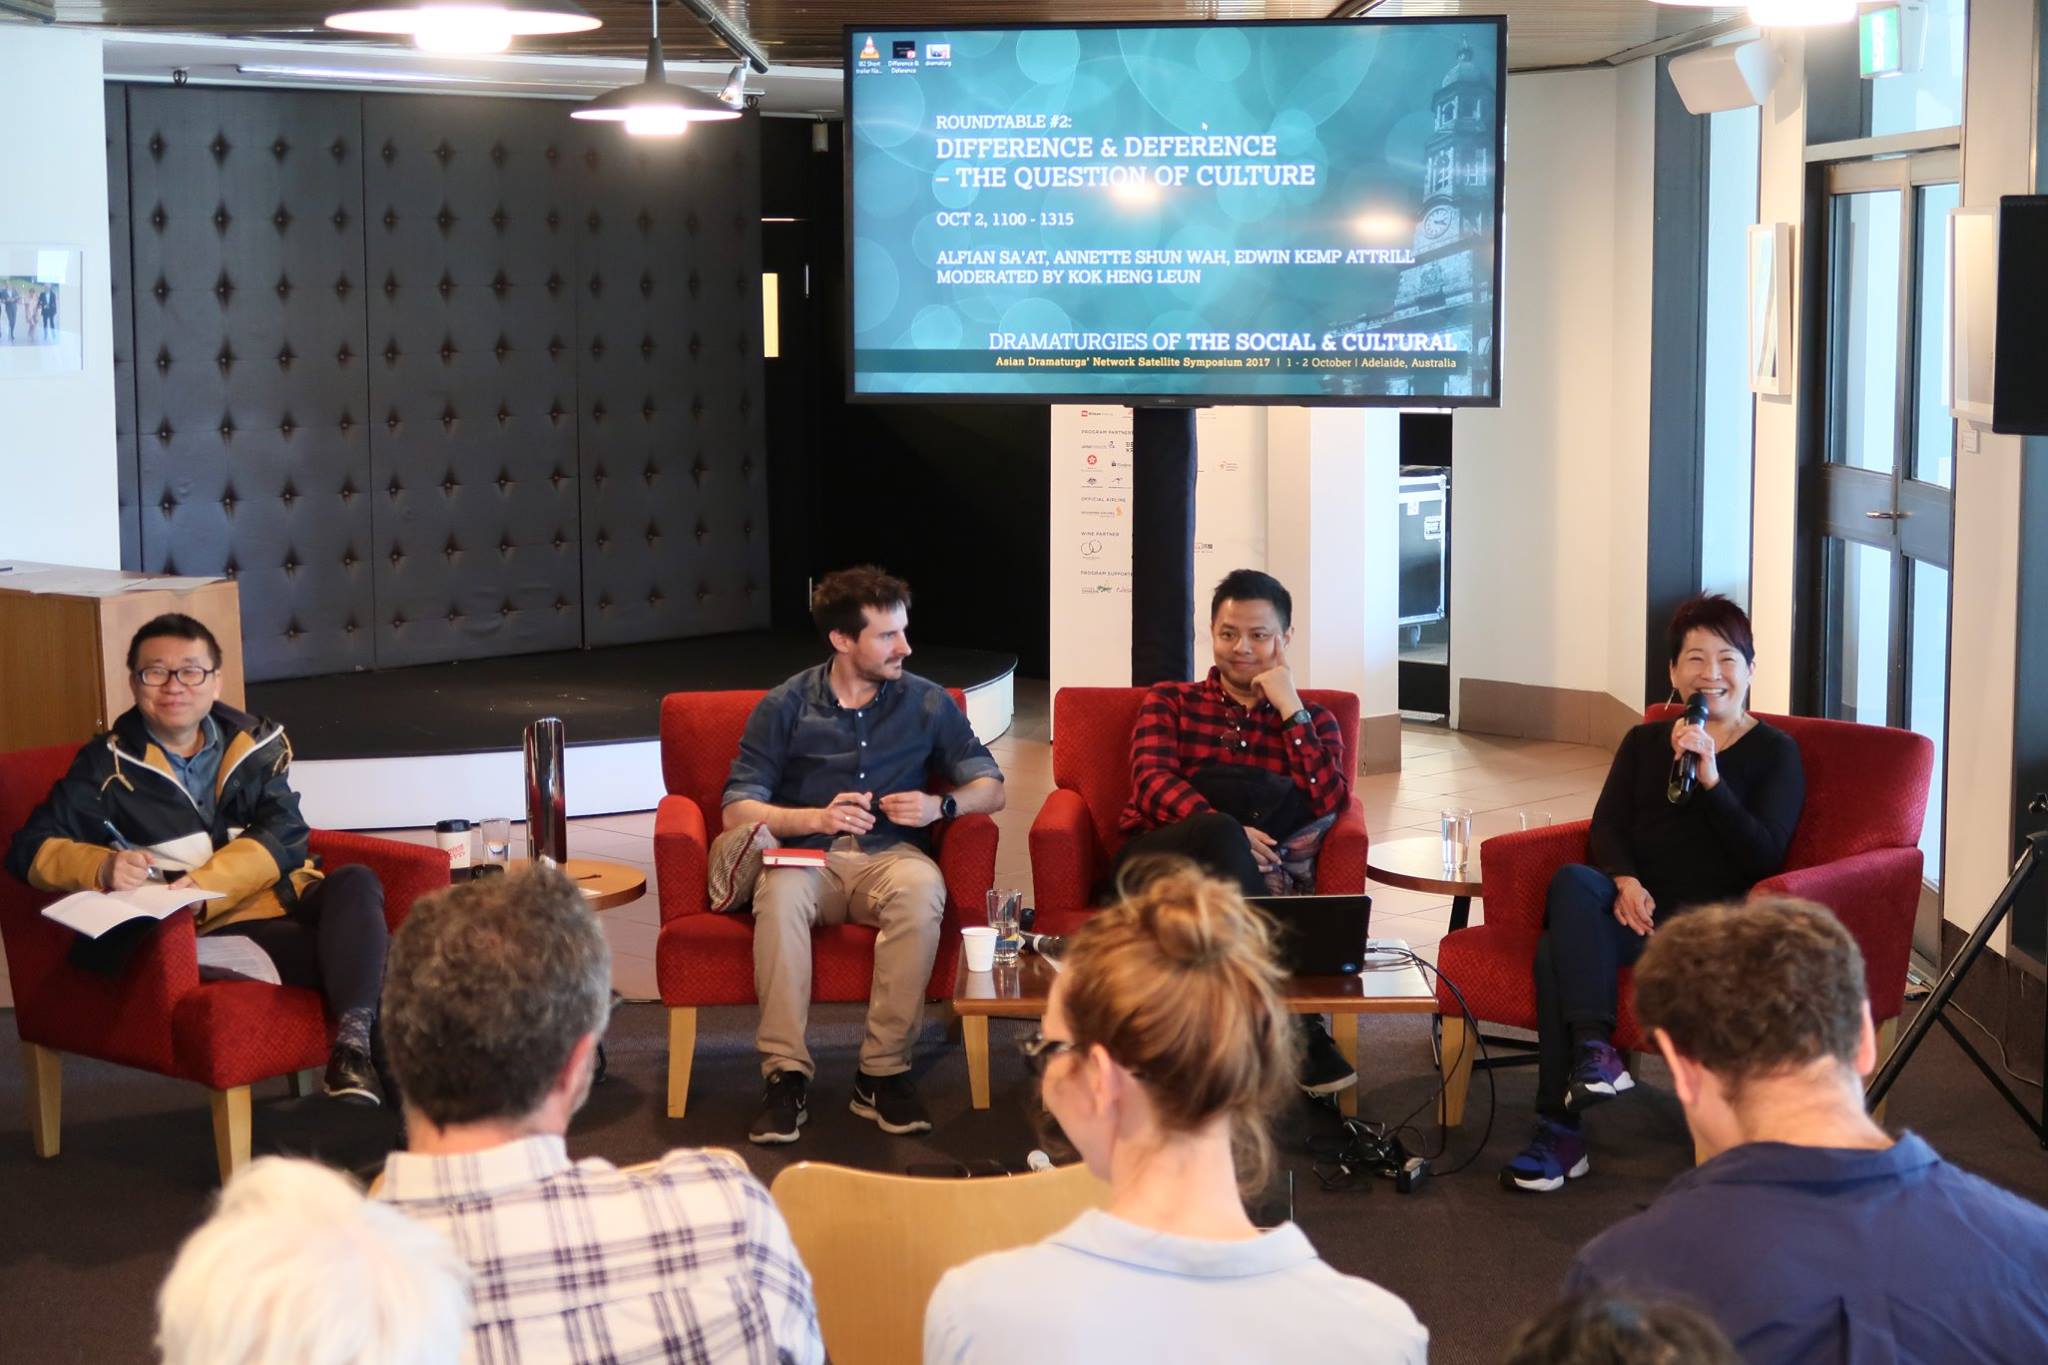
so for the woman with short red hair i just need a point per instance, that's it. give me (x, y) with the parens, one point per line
(1655, 848)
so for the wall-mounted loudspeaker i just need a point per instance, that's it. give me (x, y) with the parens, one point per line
(1732, 76)
(2019, 398)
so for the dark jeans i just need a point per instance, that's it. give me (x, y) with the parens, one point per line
(1213, 841)
(333, 940)
(1582, 948)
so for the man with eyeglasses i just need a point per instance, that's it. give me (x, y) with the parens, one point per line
(188, 790)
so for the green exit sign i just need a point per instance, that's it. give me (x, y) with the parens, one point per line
(1880, 45)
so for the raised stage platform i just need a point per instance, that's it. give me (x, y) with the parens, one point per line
(404, 747)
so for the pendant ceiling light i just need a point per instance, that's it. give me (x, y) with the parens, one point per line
(1801, 13)
(654, 107)
(466, 26)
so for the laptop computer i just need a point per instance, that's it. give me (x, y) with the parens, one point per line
(1320, 935)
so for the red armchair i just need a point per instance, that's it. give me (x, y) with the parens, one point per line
(1075, 837)
(157, 1015)
(703, 958)
(1856, 851)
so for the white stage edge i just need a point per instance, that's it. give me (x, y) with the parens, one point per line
(602, 779)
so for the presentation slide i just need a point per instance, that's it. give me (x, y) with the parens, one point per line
(1265, 212)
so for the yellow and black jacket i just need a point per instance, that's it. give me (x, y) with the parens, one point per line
(258, 860)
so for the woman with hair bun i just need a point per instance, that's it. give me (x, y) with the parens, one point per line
(1164, 1051)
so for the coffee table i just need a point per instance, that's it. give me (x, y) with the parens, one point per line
(605, 885)
(1019, 991)
(1416, 863)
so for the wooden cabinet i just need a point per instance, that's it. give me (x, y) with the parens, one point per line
(64, 645)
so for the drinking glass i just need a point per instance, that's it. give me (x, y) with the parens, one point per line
(1457, 835)
(1002, 917)
(498, 841)
(1534, 819)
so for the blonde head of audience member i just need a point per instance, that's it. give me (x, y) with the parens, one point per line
(1166, 1047)
(296, 1267)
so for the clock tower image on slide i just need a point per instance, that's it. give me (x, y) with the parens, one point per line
(1449, 289)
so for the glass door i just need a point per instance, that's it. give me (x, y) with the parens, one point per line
(1881, 525)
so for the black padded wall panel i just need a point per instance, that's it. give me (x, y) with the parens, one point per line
(121, 275)
(251, 387)
(472, 326)
(675, 499)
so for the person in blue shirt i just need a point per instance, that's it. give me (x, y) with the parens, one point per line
(1165, 1051)
(839, 758)
(1807, 1232)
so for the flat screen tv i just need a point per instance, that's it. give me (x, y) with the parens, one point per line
(1178, 213)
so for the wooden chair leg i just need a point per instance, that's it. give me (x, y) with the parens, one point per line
(682, 1051)
(230, 1129)
(1887, 1039)
(1458, 1047)
(45, 1069)
(304, 1083)
(1344, 1033)
(974, 1032)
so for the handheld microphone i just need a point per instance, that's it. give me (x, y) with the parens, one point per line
(1685, 766)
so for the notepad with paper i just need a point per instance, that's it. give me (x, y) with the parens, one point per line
(93, 913)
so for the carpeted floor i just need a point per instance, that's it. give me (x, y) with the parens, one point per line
(86, 1238)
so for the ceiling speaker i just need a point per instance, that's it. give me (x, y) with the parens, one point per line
(1732, 76)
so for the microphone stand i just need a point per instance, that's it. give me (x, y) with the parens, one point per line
(1933, 1012)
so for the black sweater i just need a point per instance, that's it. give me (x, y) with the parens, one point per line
(1715, 846)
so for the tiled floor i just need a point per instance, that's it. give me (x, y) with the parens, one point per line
(1495, 778)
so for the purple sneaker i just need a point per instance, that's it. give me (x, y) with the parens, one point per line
(1598, 1077)
(1554, 1155)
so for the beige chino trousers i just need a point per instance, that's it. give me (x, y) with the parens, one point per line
(899, 891)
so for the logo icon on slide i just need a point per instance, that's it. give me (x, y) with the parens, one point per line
(868, 51)
(903, 50)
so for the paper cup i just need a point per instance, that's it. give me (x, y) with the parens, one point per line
(979, 943)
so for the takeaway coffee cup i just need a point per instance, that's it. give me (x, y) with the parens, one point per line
(978, 941)
(453, 837)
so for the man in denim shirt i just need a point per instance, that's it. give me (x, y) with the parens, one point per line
(838, 758)
(1806, 1231)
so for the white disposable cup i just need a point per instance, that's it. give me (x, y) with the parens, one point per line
(978, 941)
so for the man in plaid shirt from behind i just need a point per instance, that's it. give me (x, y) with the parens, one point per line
(495, 996)
(1236, 771)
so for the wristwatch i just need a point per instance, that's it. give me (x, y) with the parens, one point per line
(1300, 717)
(948, 807)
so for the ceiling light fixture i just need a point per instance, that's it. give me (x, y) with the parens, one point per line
(1801, 13)
(734, 91)
(654, 107)
(466, 26)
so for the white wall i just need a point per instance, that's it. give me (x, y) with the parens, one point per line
(58, 499)
(1550, 499)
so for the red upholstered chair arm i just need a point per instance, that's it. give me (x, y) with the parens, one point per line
(966, 851)
(681, 847)
(1516, 870)
(1875, 895)
(1064, 851)
(407, 871)
(1340, 863)
(125, 1018)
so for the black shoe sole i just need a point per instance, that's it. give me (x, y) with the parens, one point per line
(1579, 1100)
(1329, 1087)
(803, 1116)
(867, 1110)
(360, 1096)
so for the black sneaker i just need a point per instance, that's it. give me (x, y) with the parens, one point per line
(1323, 1068)
(784, 1107)
(891, 1101)
(351, 1078)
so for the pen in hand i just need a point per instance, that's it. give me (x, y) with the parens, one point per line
(120, 842)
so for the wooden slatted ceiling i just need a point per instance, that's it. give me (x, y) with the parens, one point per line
(806, 32)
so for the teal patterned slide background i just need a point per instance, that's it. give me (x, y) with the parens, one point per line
(1259, 211)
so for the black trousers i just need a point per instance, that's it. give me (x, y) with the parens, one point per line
(1213, 841)
(1582, 948)
(333, 940)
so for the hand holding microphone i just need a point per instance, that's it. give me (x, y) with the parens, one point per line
(1692, 763)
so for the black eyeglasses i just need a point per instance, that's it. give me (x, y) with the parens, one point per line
(1038, 1050)
(156, 675)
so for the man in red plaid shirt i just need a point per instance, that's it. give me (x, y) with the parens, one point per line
(1231, 770)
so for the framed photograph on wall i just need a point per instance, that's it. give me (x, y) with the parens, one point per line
(42, 311)
(1770, 309)
(1972, 311)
